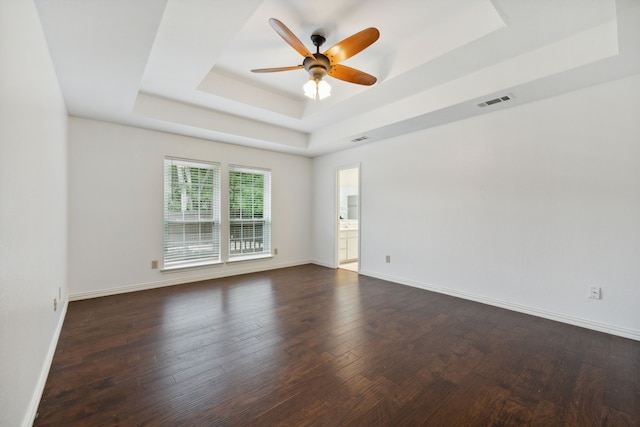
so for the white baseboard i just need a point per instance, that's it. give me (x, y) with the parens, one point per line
(559, 317)
(322, 264)
(32, 411)
(208, 275)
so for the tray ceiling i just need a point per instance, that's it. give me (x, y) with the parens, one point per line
(182, 66)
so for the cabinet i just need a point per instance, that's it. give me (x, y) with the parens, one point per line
(347, 245)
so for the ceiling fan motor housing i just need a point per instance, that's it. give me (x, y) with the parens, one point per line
(317, 67)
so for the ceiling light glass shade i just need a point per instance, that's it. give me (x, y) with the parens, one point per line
(316, 89)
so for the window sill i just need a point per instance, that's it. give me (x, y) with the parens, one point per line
(201, 265)
(193, 266)
(249, 258)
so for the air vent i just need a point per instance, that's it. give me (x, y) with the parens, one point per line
(495, 100)
(361, 138)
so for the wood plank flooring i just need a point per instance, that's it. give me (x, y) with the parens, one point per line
(314, 346)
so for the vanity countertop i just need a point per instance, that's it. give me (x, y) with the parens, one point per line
(347, 225)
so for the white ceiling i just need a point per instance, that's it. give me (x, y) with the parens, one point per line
(182, 66)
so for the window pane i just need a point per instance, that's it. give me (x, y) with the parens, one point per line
(191, 213)
(249, 211)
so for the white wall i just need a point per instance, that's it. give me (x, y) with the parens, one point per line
(33, 211)
(116, 198)
(523, 208)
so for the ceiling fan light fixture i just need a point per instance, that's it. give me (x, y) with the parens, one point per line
(316, 89)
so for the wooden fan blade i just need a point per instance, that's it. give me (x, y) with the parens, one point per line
(290, 38)
(352, 45)
(273, 70)
(351, 75)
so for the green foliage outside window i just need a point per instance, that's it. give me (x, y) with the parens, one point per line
(191, 189)
(246, 195)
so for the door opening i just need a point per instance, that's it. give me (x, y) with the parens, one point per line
(349, 218)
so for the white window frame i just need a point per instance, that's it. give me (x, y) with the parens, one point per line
(249, 235)
(198, 246)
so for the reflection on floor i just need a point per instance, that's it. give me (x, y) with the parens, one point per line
(353, 266)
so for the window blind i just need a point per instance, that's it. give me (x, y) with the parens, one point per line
(249, 212)
(191, 213)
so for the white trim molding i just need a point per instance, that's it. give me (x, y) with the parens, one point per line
(32, 411)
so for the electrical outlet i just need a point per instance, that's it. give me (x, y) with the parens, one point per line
(154, 264)
(275, 251)
(388, 259)
(594, 292)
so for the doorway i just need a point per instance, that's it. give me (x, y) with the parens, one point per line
(348, 250)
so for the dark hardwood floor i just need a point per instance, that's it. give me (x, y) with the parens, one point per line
(315, 346)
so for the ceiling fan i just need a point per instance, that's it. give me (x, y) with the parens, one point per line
(328, 63)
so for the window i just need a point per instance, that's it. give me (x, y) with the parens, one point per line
(249, 212)
(191, 213)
